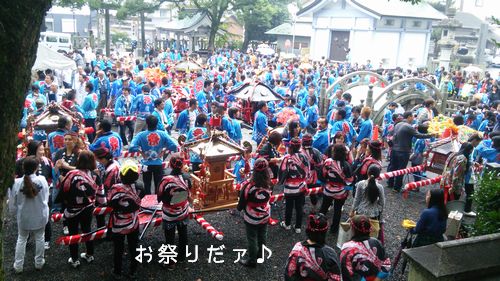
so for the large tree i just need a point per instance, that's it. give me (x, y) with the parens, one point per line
(20, 23)
(259, 16)
(215, 10)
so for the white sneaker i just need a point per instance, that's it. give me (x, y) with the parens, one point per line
(298, 230)
(470, 214)
(65, 230)
(18, 270)
(86, 257)
(286, 227)
(74, 264)
(46, 245)
(39, 267)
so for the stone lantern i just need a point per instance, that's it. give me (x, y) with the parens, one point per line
(448, 42)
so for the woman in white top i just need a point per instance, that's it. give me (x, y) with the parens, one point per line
(370, 198)
(29, 201)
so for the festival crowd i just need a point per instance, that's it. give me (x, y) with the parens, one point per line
(295, 149)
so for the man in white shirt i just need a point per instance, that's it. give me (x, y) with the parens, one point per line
(88, 55)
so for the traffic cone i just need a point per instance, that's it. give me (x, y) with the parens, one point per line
(375, 133)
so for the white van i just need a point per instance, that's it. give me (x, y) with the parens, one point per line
(57, 41)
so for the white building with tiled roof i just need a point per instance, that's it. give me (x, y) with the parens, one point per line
(393, 32)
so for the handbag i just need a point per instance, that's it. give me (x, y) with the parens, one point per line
(345, 233)
(375, 228)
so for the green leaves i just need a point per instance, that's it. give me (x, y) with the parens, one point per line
(413, 2)
(487, 202)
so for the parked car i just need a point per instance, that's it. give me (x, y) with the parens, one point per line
(495, 62)
(57, 41)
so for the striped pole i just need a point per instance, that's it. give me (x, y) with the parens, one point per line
(401, 172)
(208, 227)
(55, 217)
(126, 118)
(127, 154)
(414, 185)
(309, 191)
(82, 238)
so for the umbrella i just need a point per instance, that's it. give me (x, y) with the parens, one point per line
(288, 55)
(265, 51)
(305, 65)
(471, 68)
(255, 92)
(187, 66)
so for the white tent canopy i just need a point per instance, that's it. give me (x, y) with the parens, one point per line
(47, 58)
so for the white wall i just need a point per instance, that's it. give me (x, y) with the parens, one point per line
(396, 44)
(320, 44)
(413, 45)
(361, 49)
(385, 46)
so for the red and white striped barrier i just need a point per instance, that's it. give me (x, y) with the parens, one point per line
(233, 158)
(126, 118)
(414, 185)
(208, 227)
(309, 191)
(108, 111)
(401, 172)
(99, 234)
(55, 217)
(82, 238)
(127, 154)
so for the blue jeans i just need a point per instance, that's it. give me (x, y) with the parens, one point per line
(399, 160)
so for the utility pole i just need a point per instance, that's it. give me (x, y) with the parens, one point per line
(108, 36)
(143, 35)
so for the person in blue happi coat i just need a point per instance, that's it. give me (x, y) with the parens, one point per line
(341, 125)
(260, 122)
(233, 114)
(321, 140)
(108, 139)
(153, 144)
(187, 117)
(123, 108)
(89, 108)
(143, 106)
(311, 115)
(365, 126)
(198, 132)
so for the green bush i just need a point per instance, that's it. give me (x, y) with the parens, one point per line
(487, 202)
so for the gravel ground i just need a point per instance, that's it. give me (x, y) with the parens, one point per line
(229, 222)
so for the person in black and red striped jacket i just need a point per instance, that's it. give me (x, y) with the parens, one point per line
(125, 201)
(254, 202)
(81, 189)
(293, 174)
(110, 176)
(174, 193)
(315, 158)
(338, 176)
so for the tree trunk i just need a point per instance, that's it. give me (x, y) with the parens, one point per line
(246, 38)
(20, 23)
(213, 32)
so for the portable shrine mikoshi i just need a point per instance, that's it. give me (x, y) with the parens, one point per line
(47, 122)
(434, 161)
(213, 185)
(438, 152)
(213, 190)
(251, 93)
